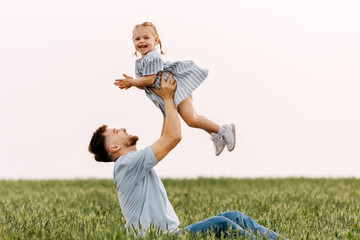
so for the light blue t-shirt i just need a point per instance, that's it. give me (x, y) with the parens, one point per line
(141, 194)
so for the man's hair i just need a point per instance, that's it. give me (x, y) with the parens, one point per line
(97, 145)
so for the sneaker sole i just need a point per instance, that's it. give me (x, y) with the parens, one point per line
(222, 149)
(233, 130)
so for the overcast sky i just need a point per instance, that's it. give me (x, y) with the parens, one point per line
(287, 73)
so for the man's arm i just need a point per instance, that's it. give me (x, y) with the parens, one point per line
(171, 132)
(162, 129)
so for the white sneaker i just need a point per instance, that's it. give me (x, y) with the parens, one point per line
(229, 136)
(219, 143)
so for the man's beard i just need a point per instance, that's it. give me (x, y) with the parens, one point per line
(133, 140)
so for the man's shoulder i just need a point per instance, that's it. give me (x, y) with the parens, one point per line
(134, 164)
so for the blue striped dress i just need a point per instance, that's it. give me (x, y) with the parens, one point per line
(187, 75)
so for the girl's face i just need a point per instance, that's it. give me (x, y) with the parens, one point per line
(144, 40)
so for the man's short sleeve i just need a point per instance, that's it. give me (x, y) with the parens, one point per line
(150, 159)
(135, 165)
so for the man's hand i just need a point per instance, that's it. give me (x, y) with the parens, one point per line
(124, 83)
(167, 89)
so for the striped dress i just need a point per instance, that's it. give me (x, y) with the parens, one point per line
(187, 75)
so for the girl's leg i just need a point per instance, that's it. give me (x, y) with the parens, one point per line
(192, 119)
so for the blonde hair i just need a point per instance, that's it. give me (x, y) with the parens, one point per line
(149, 24)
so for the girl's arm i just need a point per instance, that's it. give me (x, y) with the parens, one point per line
(140, 83)
(143, 81)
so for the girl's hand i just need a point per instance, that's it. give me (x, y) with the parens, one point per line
(124, 83)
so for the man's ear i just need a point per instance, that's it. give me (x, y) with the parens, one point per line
(114, 148)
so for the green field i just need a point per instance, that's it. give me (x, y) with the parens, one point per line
(298, 208)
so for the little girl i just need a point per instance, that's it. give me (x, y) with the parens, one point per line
(188, 76)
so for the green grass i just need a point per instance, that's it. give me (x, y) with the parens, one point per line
(298, 208)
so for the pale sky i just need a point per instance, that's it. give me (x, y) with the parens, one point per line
(287, 73)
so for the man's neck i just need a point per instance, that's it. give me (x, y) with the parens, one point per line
(129, 149)
(124, 152)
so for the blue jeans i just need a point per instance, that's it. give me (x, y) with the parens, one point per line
(242, 225)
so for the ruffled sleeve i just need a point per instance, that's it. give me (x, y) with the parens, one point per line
(152, 63)
(138, 68)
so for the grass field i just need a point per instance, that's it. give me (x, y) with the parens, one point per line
(298, 208)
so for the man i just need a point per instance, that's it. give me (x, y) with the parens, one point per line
(141, 194)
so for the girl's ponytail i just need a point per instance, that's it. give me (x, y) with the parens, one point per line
(161, 51)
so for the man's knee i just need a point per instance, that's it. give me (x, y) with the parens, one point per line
(223, 224)
(237, 217)
(231, 214)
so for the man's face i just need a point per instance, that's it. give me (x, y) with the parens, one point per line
(116, 136)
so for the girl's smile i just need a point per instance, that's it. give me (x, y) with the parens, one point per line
(144, 40)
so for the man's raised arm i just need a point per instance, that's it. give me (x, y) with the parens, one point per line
(171, 132)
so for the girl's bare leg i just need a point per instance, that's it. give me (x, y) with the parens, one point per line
(192, 119)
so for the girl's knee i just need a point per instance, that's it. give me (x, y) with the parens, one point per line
(192, 121)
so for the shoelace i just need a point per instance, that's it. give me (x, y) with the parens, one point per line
(217, 141)
(225, 141)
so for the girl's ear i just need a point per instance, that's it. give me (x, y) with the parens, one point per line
(156, 41)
